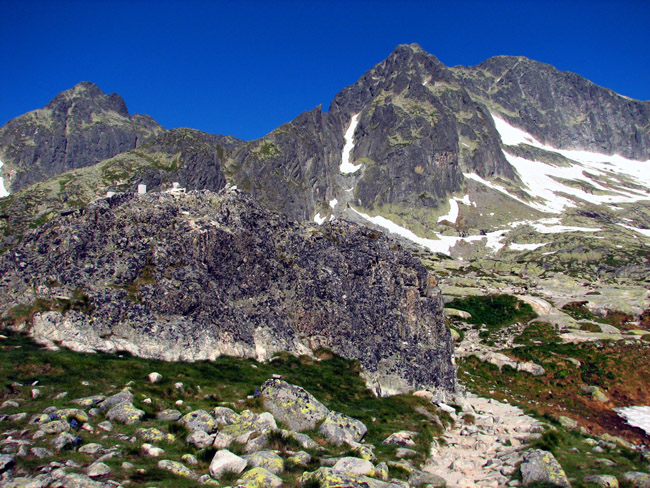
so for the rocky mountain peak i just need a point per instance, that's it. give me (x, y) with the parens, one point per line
(88, 97)
(79, 127)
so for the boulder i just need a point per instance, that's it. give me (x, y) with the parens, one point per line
(636, 479)
(169, 415)
(63, 441)
(541, 467)
(199, 420)
(151, 451)
(259, 478)
(90, 401)
(179, 469)
(292, 405)
(225, 461)
(329, 478)
(604, 480)
(97, 470)
(430, 480)
(401, 438)
(154, 377)
(6, 462)
(200, 439)
(225, 416)
(152, 434)
(339, 428)
(267, 460)
(125, 396)
(353, 465)
(125, 413)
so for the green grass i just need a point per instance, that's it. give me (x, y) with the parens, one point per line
(494, 311)
(226, 381)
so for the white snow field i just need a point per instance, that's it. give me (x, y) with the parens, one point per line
(452, 216)
(443, 244)
(346, 166)
(3, 190)
(318, 219)
(544, 180)
(636, 417)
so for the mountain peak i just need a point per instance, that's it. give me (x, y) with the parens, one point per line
(92, 95)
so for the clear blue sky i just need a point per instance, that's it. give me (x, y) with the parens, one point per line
(243, 68)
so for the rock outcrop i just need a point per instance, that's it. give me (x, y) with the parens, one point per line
(197, 275)
(78, 128)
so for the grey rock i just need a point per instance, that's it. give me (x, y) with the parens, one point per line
(421, 478)
(154, 377)
(267, 460)
(401, 438)
(125, 413)
(152, 451)
(259, 477)
(403, 452)
(394, 294)
(63, 441)
(636, 479)
(199, 420)
(92, 449)
(41, 452)
(225, 416)
(6, 462)
(94, 400)
(98, 470)
(55, 426)
(189, 459)
(76, 480)
(329, 478)
(152, 434)
(292, 405)
(353, 465)
(106, 426)
(179, 469)
(541, 467)
(200, 439)
(340, 429)
(124, 396)
(604, 480)
(300, 458)
(169, 415)
(225, 461)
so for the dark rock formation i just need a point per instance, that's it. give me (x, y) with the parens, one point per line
(78, 128)
(561, 108)
(197, 275)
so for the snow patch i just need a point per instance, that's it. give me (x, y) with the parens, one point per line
(636, 417)
(526, 247)
(333, 203)
(3, 190)
(452, 216)
(544, 180)
(346, 166)
(443, 244)
(318, 219)
(645, 232)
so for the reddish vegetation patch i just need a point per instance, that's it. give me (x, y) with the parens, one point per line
(622, 371)
(644, 320)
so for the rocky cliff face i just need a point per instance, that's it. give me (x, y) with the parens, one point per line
(78, 128)
(560, 108)
(198, 275)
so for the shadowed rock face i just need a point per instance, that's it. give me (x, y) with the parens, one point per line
(198, 275)
(78, 128)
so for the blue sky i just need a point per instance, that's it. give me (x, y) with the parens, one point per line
(243, 68)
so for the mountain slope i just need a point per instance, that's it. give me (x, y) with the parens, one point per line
(78, 128)
(191, 158)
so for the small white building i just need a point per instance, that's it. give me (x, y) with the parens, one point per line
(142, 189)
